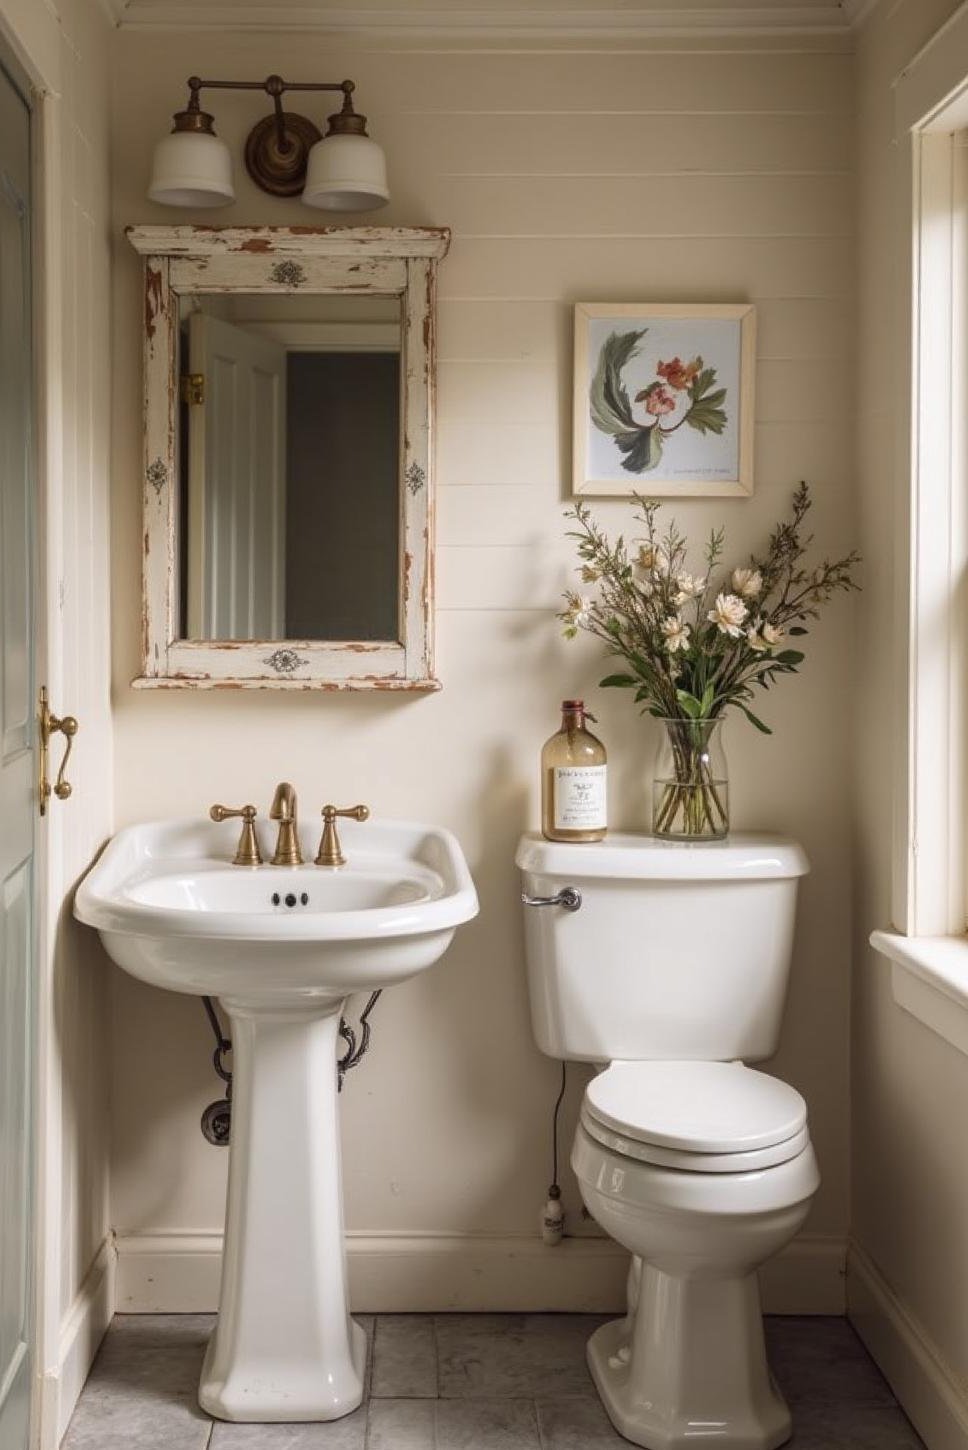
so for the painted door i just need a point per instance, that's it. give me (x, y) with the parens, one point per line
(236, 483)
(17, 775)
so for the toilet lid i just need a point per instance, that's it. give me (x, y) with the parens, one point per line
(696, 1107)
(751, 1161)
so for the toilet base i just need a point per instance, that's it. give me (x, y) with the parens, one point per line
(693, 1368)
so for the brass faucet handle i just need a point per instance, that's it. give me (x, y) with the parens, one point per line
(247, 852)
(330, 851)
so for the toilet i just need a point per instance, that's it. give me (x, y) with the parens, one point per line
(666, 966)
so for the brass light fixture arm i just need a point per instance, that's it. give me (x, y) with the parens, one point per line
(272, 85)
(277, 147)
(275, 87)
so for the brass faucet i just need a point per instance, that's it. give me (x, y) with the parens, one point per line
(247, 852)
(330, 851)
(283, 810)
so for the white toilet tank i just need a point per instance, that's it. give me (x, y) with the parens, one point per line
(676, 952)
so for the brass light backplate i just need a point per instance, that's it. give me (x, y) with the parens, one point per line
(281, 173)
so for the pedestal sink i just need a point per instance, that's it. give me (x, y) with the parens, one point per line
(283, 948)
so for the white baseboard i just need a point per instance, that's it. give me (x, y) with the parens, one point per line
(82, 1329)
(179, 1273)
(930, 1392)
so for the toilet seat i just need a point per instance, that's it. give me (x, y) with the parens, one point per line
(700, 1117)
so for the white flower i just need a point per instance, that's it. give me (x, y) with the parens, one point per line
(688, 586)
(653, 560)
(747, 583)
(675, 633)
(763, 636)
(589, 573)
(578, 612)
(728, 615)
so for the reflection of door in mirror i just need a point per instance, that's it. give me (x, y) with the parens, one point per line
(290, 467)
(236, 482)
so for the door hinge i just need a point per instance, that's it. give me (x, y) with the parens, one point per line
(193, 389)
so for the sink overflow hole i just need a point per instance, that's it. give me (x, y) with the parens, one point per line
(291, 898)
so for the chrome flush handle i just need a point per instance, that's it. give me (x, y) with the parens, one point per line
(569, 897)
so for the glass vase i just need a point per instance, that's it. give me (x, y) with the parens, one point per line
(690, 789)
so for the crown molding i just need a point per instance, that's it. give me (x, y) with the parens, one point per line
(503, 21)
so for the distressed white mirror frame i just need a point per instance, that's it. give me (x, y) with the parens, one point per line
(365, 261)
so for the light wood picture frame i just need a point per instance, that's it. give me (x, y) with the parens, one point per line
(663, 399)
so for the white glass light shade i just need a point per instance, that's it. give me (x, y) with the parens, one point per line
(192, 168)
(346, 173)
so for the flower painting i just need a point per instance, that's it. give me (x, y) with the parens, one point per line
(663, 399)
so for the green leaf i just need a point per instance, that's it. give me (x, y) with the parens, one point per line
(620, 681)
(608, 401)
(702, 382)
(790, 657)
(643, 447)
(690, 705)
(706, 419)
(754, 720)
(797, 629)
(708, 696)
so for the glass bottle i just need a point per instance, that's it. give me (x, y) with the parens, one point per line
(573, 779)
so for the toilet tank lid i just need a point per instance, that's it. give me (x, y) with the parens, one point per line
(645, 858)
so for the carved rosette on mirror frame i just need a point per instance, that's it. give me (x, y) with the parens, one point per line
(232, 271)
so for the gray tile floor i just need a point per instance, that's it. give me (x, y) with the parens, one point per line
(462, 1382)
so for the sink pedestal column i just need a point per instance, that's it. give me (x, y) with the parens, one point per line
(284, 1347)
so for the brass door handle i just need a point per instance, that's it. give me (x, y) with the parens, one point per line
(48, 725)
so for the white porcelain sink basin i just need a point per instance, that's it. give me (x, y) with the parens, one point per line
(282, 947)
(174, 911)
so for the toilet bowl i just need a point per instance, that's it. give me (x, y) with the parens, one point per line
(688, 1363)
(672, 970)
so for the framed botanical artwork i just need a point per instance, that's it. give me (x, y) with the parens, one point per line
(664, 399)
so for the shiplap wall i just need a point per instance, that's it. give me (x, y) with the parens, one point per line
(719, 171)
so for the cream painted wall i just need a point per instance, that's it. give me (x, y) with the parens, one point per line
(64, 47)
(909, 1087)
(718, 171)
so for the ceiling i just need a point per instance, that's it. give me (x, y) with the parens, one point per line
(589, 19)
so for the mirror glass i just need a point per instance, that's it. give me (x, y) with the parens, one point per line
(289, 467)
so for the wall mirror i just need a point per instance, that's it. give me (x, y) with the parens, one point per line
(288, 466)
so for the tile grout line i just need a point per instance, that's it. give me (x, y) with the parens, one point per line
(538, 1435)
(436, 1342)
(368, 1379)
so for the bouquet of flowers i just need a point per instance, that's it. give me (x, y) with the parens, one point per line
(695, 645)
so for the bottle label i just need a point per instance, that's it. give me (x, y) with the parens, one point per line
(580, 797)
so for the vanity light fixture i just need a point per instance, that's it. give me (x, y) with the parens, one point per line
(285, 153)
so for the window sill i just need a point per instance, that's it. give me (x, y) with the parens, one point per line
(929, 979)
